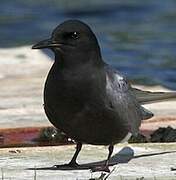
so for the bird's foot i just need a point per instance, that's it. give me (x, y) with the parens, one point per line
(69, 165)
(101, 168)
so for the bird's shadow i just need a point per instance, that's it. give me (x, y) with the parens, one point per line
(123, 156)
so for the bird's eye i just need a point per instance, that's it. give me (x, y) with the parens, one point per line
(71, 35)
(74, 35)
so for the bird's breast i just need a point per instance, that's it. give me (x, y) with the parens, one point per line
(77, 107)
(66, 94)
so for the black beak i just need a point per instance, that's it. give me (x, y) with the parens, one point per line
(48, 43)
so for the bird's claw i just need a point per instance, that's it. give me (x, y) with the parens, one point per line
(101, 168)
(69, 165)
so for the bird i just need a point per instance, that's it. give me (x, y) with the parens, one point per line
(88, 99)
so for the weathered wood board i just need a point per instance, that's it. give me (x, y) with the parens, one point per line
(146, 162)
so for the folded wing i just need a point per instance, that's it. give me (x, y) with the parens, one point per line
(122, 101)
(146, 97)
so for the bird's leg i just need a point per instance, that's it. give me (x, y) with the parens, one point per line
(73, 162)
(110, 148)
(105, 167)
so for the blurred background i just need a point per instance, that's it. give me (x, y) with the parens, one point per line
(136, 37)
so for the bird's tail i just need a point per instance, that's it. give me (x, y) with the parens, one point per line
(147, 97)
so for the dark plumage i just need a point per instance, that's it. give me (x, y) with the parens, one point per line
(86, 98)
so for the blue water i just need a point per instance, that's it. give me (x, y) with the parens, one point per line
(137, 37)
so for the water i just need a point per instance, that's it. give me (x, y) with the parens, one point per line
(137, 37)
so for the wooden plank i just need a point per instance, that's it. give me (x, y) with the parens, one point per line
(146, 162)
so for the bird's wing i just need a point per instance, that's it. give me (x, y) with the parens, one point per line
(146, 97)
(122, 100)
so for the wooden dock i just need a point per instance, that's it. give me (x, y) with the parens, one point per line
(150, 161)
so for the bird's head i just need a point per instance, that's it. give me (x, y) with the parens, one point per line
(71, 39)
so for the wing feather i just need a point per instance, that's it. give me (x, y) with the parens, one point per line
(146, 97)
(123, 100)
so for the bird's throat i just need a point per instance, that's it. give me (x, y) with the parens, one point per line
(72, 60)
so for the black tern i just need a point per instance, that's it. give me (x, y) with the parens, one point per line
(87, 99)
